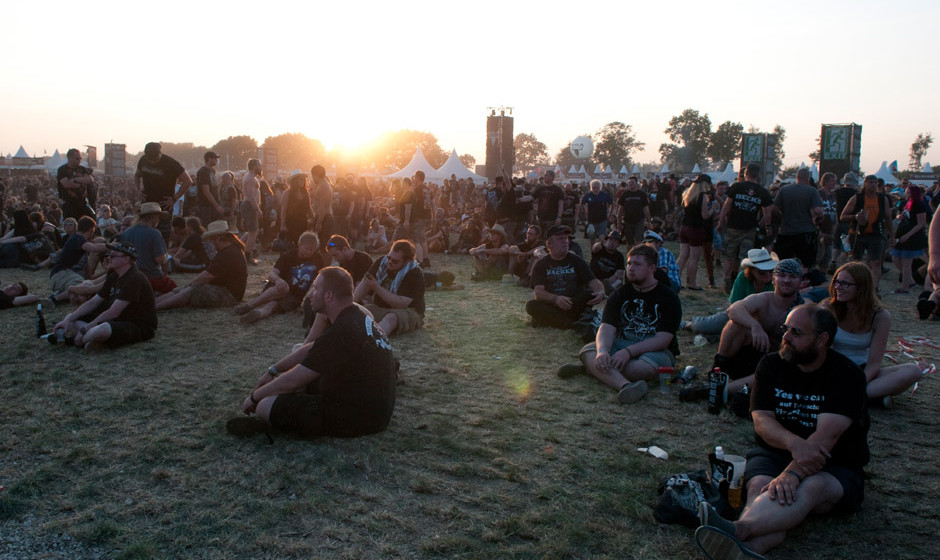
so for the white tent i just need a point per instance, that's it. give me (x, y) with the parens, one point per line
(573, 170)
(418, 162)
(664, 170)
(598, 169)
(728, 175)
(814, 172)
(636, 170)
(453, 166)
(696, 169)
(55, 162)
(886, 175)
(21, 153)
(623, 170)
(927, 168)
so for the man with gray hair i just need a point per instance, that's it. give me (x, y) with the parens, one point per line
(801, 208)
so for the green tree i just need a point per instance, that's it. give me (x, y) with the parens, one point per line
(235, 151)
(468, 161)
(614, 145)
(530, 152)
(295, 150)
(779, 152)
(814, 155)
(396, 148)
(690, 133)
(725, 143)
(919, 150)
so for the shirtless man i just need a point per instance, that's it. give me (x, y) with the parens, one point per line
(251, 207)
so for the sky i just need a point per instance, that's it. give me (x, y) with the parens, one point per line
(89, 73)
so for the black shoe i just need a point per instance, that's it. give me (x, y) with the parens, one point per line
(571, 370)
(924, 308)
(693, 393)
(247, 426)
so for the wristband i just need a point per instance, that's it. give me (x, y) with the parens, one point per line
(273, 371)
(794, 473)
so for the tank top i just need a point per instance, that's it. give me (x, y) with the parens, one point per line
(853, 346)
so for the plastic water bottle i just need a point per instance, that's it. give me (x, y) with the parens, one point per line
(719, 453)
(40, 321)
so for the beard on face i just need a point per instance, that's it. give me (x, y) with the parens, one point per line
(797, 357)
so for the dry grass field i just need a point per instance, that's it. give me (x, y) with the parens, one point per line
(489, 454)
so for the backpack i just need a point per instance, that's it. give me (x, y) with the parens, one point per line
(679, 496)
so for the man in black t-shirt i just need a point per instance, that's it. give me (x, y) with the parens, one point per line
(811, 425)
(637, 334)
(564, 286)
(522, 256)
(77, 187)
(344, 387)
(287, 283)
(740, 217)
(157, 176)
(633, 212)
(207, 191)
(355, 262)
(123, 310)
(607, 262)
(393, 290)
(549, 201)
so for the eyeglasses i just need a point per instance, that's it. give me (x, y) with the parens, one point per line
(795, 331)
(838, 283)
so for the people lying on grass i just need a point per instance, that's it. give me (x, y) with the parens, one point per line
(345, 384)
(755, 276)
(393, 290)
(287, 282)
(77, 261)
(491, 258)
(151, 247)
(667, 261)
(15, 295)
(522, 256)
(192, 254)
(607, 262)
(811, 427)
(223, 283)
(864, 325)
(122, 312)
(564, 286)
(638, 328)
(754, 323)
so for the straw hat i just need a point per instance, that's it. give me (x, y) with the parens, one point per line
(148, 208)
(760, 259)
(498, 229)
(218, 227)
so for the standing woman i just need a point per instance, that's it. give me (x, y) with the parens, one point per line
(692, 232)
(862, 335)
(911, 237)
(296, 212)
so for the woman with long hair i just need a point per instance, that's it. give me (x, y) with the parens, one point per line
(862, 335)
(692, 232)
(911, 236)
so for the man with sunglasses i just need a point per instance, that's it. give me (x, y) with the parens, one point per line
(811, 427)
(122, 312)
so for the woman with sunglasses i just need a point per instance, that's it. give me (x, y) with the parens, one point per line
(863, 330)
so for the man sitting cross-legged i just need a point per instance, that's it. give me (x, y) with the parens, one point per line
(811, 426)
(287, 283)
(637, 335)
(345, 386)
(393, 290)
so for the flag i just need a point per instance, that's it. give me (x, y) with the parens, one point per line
(893, 168)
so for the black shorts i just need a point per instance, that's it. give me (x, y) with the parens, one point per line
(765, 462)
(298, 413)
(128, 332)
(802, 246)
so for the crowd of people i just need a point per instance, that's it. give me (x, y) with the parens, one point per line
(800, 346)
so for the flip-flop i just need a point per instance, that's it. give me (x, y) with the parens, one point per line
(719, 545)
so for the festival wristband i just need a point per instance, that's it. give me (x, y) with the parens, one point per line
(794, 473)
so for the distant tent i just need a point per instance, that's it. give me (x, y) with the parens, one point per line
(728, 175)
(598, 169)
(21, 153)
(573, 170)
(453, 166)
(814, 172)
(886, 175)
(636, 169)
(664, 170)
(55, 162)
(927, 168)
(418, 162)
(696, 169)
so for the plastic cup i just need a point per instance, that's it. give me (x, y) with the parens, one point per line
(664, 379)
(739, 463)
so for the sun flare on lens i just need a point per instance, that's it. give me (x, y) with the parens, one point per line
(519, 382)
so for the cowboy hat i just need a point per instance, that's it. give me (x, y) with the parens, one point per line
(148, 208)
(218, 227)
(760, 259)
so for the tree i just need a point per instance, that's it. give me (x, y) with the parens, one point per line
(614, 144)
(235, 151)
(725, 143)
(814, 155)
(530, 152)
(690, 133)
(396, 148)
(919, 150)
(779, 153)
(295, 150)
(468, 161)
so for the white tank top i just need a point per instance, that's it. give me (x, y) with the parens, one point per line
(854, 346)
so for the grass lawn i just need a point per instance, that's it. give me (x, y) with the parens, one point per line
(489, 454)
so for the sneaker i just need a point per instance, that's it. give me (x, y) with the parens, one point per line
(685, 325)
(632, 392)
(716, 544)
(571, 370)
(708, 517)
(693, 393)
(50, 301)
(242, 308)
(247, 426)
(252, 316)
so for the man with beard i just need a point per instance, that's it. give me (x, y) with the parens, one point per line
(637, 335)
(77, 187)
(344, 387)
(811, 426)
(634, 212)
(754, 323)
(157, 175)
(395, 286)
(607, 262)
(207, 193)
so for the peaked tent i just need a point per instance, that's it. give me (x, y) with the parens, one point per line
(814, 172)
(55, 162)
(21, 153)
(664, 170)
(696, 169)
(886, 175)
(453, 166)
(927, 168)
(417, 162)
(636, 169)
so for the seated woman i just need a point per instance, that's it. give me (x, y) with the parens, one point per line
(863, 332)
(192, 256)
(756, 275)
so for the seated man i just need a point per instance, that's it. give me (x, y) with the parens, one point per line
(223, 283)
(122, 312)
(753, 327)
(607, 262)
(490, 259)
(78, 256)
(637, 335)
(15, 295)
(564, 284)
(344, 387)
(811, 426)
(356, 263)
(395, 286)
(151, 248)
(287, 283)
(522, 256)
(667, 261)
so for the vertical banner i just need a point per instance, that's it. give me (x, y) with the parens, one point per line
(759, 148)
(500, 154)
(269, 163)
(92, 158)
(114, 159)
(840, 148)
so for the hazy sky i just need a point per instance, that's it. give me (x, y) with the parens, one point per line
(77, 73)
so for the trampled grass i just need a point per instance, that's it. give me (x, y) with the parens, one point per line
(489, 454)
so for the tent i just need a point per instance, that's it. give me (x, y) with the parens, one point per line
(636, 170)
(21, 153)
(886, 175)
(696, 169)
(55, 162)
(453, 166)
(418, 162)
(665, 170)
(927, 168)
(729, 175)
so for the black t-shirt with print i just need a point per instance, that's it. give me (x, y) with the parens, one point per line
(298, 272)
(633, 203)
(567, 277)
(71, 195)
(747, 198)
(358, 266)
(159, 179)
(206, 176)
(135, 289)
(640, 315)
(797, 399)
(604, 264)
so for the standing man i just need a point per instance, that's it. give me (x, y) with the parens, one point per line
(637, 335)
(843, 195)
(549, 202)
(151, 253)
(251, 208)
(157, 175)
(828, 219)
(811, 428)
(77, 188)
(395, 285)
(801, 207)
(740, 217)
(344, 387)
(869, 212)
(633, 212)
(417, 212)
(595, 205)
(322, 201)
(207, 191)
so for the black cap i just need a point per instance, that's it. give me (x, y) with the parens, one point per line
(557, 230)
